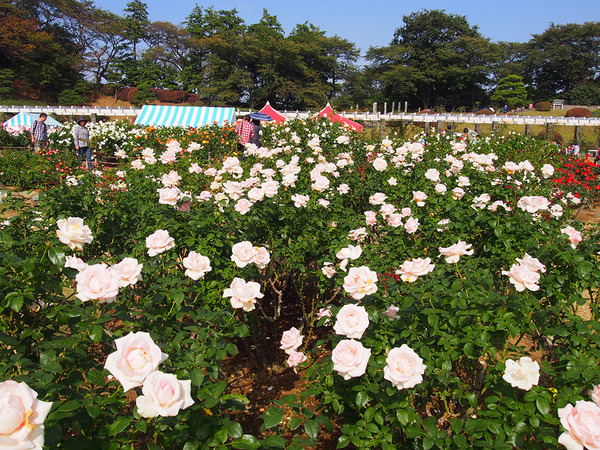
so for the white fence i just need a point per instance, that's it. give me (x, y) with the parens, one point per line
(362, 116)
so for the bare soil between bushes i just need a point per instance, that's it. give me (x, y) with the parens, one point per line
(264, 377)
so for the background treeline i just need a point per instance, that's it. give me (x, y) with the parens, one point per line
(68, 51)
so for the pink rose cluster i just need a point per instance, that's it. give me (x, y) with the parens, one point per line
(290, 341)
(581, 423)
(244, 253)
(102, 283)
(135, 363)
(525, 275)
(350, 358)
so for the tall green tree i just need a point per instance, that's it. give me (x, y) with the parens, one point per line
(510, 91)
(434, 59)
(562, 58)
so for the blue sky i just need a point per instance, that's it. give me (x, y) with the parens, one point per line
(372, 23)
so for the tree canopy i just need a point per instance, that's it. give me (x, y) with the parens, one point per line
(68, 49)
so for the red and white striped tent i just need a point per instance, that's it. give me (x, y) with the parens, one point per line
(273, 113)
(330, 113)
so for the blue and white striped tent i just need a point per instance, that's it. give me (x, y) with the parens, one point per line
(184, 116)
(24, 120)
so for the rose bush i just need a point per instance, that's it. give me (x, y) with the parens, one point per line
(371, 238)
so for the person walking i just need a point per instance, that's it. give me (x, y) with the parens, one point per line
(39, 133)
(245, 130)
(256, 129)
(81, 138)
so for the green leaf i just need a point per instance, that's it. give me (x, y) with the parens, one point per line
(343, 441)
(246, 442)
(94, 411)
(542, 405)
(120, 424)
(361, 399)
(14, 300)
(273, 442)
(197, 376)
(95, 333)
(57, 257)
(234, 430)
(295, 422)
(95, 377)
(272, 417)
(71, 405)
(312, 428)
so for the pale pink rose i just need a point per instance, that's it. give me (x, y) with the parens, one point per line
(419, 197)
(411, 225)
(358, 235)
(300, 200)
(582, 426)
(243, 294)
(547, 170)
(210, 172)
(137, 164)
(22, 416)
(243, 206)
(351, 252)
(136, 357)
(441, 188)
(406, 212)
(380, 164)
(170, 179)
(392, 312)
(195, 168)
(595, 394)
(234, 189)
(147, 152)
(169, 195)
(320, 184)
(256, 194)
(196, 265)
(204, 196)
(443, 224)
(574, 236)
(290, 180)
(574, 199)
(97, 282)
(270, 187)
(499, 203)
(394, 220)
(522, 374)
(533, 204)
(526, 166)
(163, 395)
(464, 181)
(371, 217)
(232, 164)
(404, 368)
(158, 242)
(458, 193)
(523, 277)
(243, 253)
(481, 201)
(73, 232)
(262, 257)
(454, 252)
(168, 156)
(377, 198)
(350, 358)
(511, 167)
(433, 175)
(556, 211)
(291, 340)
(128, 271)
(534, 264)
(343, 188)
(328, 270)
(324, 203)
(359, 282)
(351, 321)
(387, 209)
(411, 270)
(324, 312)
(296, 358)
(459, 146)
(392, 181)
(174, 146)
(73, 262)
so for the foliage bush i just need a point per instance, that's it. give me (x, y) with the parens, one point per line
(485, 112)
(543, 106)
(311, 193)
(556, 136)
(578, 112)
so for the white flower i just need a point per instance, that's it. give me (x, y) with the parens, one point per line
(243, 294)
(196, 265)
(404, 368)
(522, 374)
(351, 321)
(163, 395)
(73, 232)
